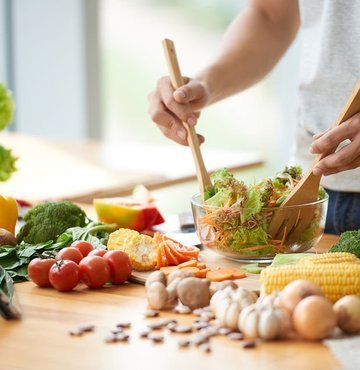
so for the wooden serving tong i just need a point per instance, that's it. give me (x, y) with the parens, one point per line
(289, 223)
(177, 81)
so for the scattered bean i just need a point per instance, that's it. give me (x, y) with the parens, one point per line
(200, 325)
(199, 339)
(181, 309)
(224, 331)
(249, 344)
(117, 330)
(184, 343)
(198, 311)
(86, 327)
(76, 332)
(235, 336)
(156, 338)
(144, 333)
(124, 325)
(207, 316)
(155, 326)
(183, 329)
(119, 337)
(205, 347)
(172, 326)
(151, 313)
(210, 331)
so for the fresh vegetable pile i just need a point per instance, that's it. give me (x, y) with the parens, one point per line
(80, 262)
(49, 228)
(349, 242)
(237, 216)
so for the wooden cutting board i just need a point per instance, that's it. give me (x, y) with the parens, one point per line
(213, 260)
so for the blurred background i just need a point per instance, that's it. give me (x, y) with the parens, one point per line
(80, 72)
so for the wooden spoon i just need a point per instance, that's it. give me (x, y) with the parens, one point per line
(290, 223)
(177, 81)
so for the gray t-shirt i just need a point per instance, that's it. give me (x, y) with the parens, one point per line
(330, 68)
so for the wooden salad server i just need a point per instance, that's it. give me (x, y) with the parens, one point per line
(177, 81)
(289, 223)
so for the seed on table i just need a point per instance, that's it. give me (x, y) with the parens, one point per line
(205, 347)
(207, 309)
(200, 325)
(144, 333)
(165, 322)
(198, 339)
(183, 329)
(119, 337)
(224, 331)
(198, 311)
(151, 313)
(235, 336)
(76, 332)
(117, 330)
(250, 344)
(155, 326)
(156, 338)
(181, 309)
(207, 316)
(210, 331)
(184, 343)
(86, 327)
(172, 326)
(124, 325)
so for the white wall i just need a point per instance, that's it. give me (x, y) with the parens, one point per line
(52, 55)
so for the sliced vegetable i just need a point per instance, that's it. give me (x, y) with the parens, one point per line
(127, 213)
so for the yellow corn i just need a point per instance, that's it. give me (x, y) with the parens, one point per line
(335, 279)
(336, 257)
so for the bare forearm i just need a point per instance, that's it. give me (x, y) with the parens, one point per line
(251, 47)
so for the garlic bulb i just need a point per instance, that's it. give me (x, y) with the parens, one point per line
(227, 304)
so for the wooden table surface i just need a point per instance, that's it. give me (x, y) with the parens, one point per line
(41, 340)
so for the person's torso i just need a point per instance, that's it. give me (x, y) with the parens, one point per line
(330, 68)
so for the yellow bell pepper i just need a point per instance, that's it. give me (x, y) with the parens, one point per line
(8, 213)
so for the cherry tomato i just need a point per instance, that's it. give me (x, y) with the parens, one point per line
(83, 246)
(64, 275)
(70, 253)
(38, 271)
(94, 271)
(97, 252)
(120, 266)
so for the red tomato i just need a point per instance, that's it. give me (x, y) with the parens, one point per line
(64, 275)
(97, 252)
(94, 271)
(83, 246)
(120, 266)
(70, 253)
(38, 271)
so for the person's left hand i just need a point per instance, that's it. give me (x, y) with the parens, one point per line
(346, 158)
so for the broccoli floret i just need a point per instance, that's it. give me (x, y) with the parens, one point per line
(349, 242)
(47, 221)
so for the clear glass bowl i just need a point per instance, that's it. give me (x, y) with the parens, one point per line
(236, 235)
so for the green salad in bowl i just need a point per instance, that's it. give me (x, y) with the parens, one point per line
(235, 217)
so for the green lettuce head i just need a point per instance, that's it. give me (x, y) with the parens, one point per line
(7, 163)
(7, 107)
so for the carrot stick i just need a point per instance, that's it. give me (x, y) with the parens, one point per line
(202, 273)
(190, 263)
(219, 275)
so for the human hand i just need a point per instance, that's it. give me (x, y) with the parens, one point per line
(347, 157)
(169, 108)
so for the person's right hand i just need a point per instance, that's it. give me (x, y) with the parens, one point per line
(169, 108)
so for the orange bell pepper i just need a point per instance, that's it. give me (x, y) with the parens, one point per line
(8, 213)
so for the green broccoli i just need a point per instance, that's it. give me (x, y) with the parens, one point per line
(47, 221)
(349, 242)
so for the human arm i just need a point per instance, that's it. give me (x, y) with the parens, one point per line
(252, 45)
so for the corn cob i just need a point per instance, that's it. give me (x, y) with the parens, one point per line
(335, 279)
(140, 248)
(337, 257)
